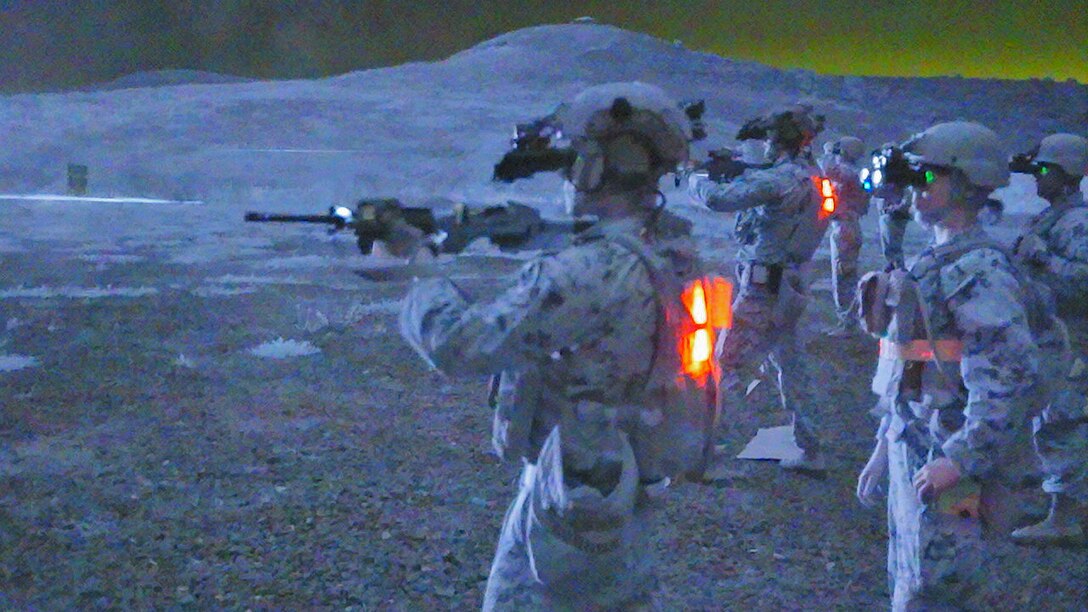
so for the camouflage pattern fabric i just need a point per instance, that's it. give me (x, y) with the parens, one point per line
(846, 236)
(852, 198)
(585, 319)
(779, 220)
(976, 415)
(764, 330)
(779, 224)
(1063, 228)
(889, 198)
(1062, 446)
(935, 560)
(1061, 431)
(894, 208)
(845, 251)
(552, 555)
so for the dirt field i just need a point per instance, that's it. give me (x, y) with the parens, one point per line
(150, 457)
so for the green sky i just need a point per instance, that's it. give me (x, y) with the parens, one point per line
(59, 44)
(1012, 40)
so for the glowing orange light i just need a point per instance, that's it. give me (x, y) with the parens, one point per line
(708, 305)
(698, 303)
(827, 192)
(721, 303)
(700, 345)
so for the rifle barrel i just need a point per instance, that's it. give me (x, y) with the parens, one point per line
(257, 217)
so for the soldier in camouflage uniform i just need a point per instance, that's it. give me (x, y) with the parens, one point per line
(1055, 249)
(580, 339)
(778, 228)
(846, 235)
(957, 366)
(893, 204)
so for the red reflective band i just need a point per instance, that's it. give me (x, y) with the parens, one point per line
(922, 350)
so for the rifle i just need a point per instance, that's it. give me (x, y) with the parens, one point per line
(511, 226)
(720, 166)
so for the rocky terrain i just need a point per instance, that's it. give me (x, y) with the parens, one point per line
(197, 413)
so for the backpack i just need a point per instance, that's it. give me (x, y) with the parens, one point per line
(673, 432)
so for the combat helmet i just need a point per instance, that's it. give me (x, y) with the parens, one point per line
(849, 148)
(789, 129)
(626, 136)
(969, 147)
(1068, 151)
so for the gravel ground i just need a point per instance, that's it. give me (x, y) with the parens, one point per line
(151, 458)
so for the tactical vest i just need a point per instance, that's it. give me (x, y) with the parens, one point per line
(670, 421)
(922, 332)
(796, 234)
(1042, 224)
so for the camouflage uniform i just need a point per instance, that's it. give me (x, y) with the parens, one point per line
(894, 209)
(1061, 431)
(778, 228)
(846, 235)
(1063, 227)
(975, 414)
(582, 323)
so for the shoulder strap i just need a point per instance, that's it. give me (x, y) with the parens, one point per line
(665, 362)
(1048, 220)
(663, 285)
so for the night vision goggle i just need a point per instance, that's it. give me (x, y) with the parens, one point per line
(1025, 163)
(891, 166)
(533, 148)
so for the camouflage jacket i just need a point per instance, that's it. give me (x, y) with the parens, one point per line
(851, 195)
(779, 220)
(590, 306)
(1063, 227)
(889, 198)
(583, 321)
(982, 406)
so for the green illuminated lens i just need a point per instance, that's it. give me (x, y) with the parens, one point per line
(1043, 170)
(930, 177)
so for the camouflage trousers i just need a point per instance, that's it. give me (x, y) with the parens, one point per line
(934, 559)
(893, 227)
(1060, 435)
(845, 250)
(945, 559)
(765, 331)
(554, 553)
